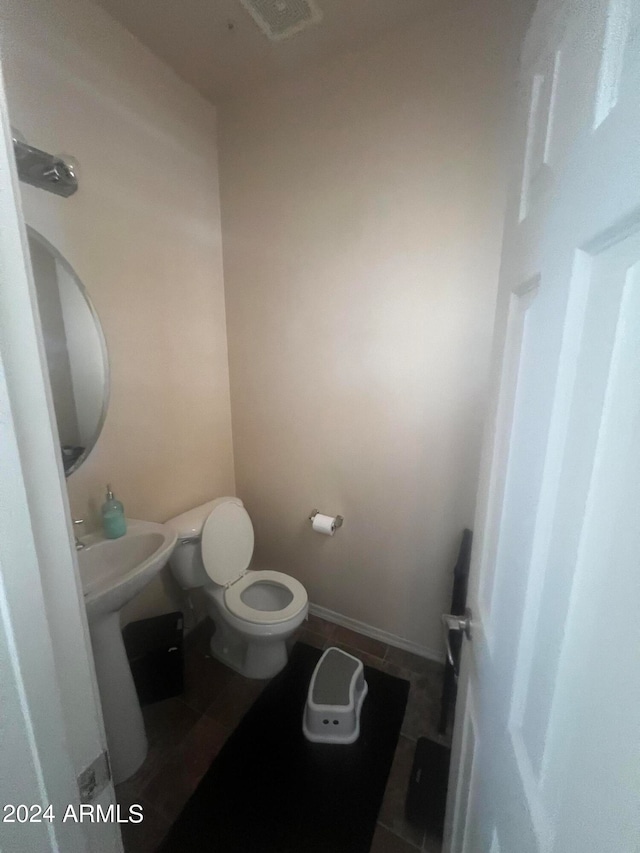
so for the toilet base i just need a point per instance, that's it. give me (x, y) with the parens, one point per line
(253, 650)
(252, 660)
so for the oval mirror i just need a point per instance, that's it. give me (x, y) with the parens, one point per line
(76, 352)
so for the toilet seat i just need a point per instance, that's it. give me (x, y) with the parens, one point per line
(227, 547)
(235, 604)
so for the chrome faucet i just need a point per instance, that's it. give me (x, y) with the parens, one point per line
(79, 545)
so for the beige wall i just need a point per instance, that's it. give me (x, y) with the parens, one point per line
(362, 208)
(362, 213)
(143, 234)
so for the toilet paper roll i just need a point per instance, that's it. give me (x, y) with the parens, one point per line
(324, 524)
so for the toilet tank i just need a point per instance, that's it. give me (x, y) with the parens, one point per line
(186, 559)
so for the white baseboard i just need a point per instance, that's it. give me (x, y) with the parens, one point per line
(375, 633)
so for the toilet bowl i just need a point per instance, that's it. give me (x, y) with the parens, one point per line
(255, 613)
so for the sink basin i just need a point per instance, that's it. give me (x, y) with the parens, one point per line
(112, 572)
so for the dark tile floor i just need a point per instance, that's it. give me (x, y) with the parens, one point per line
(186, 733)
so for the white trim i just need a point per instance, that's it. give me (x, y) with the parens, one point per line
(375, 633)
(51, 726)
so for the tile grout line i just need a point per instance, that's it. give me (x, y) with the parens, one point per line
(406, 841)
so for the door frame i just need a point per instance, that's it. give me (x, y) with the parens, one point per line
(51, 725)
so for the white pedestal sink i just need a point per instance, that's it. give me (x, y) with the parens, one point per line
(112, 572)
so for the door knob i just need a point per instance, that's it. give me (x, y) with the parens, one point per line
(452, 622)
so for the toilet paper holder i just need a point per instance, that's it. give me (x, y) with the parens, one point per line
(338, 519)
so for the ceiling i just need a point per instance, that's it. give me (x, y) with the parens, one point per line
(216, 46)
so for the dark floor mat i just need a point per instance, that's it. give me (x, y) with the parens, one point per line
(427, 794)
(271, 791)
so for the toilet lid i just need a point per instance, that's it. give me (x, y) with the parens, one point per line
(227, 542)
(235, 604)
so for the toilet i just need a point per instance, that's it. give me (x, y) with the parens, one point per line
(255, 613)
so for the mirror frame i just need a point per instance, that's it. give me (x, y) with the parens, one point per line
(37, 236)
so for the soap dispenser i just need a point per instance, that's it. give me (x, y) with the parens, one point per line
(113, 521)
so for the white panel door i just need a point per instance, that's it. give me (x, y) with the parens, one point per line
(546, 755)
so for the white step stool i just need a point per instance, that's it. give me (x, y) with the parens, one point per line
(336, 693)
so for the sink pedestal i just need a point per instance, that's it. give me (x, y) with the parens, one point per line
(123, 721)
(112, 572)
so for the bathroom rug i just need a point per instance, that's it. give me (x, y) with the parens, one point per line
(269, 790)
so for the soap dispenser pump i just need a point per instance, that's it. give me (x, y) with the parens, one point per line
(113, 521)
